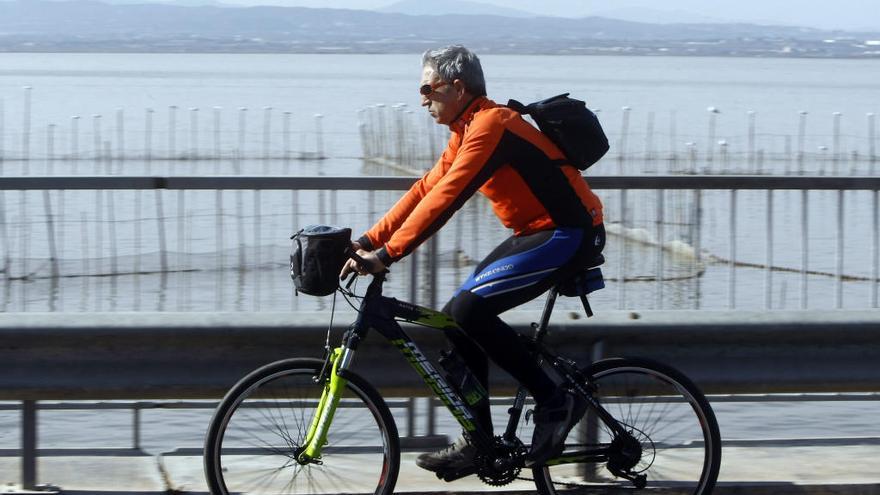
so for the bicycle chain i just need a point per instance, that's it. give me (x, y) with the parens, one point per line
(558, 483)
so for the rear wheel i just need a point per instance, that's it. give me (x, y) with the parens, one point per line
(259, 427)
(671, 427)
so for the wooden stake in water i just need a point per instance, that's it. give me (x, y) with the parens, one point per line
(649, 144)
(713, 117)
(74, 142)
(257, 251)
(120, 137)
(805, 246)
(193, 137)
(624, 131)
(751, 158)
(732, 263)
(286, 136)
(802, 131)
(621, 279)
(692, 157)
(725, 158)
(267, 136)
(217, 153)
(2, 131)
(840, 232)
(172, 131)
(319, 137)
(47, 207)
(50, 150)
(673, 140)
(872, 143)
(380, 132)
(218, 207)
(23, 200)
(242, 130)
(836, 154)
(111, 214)
(875, 284)
(26, 127)
(661, 235)
(83, 228)
(698, 246)
(96, 135)
(823, 160)
(768, 274)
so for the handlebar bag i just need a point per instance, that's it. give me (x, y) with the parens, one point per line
(317, 255)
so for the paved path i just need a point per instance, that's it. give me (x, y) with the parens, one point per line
(844, 470)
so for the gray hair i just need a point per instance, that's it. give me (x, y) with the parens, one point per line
(457, 62)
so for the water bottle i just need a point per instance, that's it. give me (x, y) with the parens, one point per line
(462, 380)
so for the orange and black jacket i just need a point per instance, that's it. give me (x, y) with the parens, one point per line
(494, 151)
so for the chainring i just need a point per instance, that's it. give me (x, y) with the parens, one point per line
(487, 470)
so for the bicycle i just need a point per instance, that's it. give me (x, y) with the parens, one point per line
(306, 425)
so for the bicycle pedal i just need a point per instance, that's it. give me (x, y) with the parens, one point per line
(457, 474)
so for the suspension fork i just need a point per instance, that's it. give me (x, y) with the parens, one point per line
(316, 438)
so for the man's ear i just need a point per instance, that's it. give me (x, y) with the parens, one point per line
(460, 89)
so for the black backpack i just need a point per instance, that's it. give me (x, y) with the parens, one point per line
(570, 125)
(317, 256)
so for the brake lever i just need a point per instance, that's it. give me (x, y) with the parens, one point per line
(351, 278)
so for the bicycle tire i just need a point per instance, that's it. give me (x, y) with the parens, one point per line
(264, 418)
(664, 410)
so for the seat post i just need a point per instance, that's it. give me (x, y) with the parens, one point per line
(541, 330)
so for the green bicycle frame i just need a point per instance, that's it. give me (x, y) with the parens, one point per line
(317, 434)
(381, 314)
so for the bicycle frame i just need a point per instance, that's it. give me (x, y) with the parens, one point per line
(379, 313)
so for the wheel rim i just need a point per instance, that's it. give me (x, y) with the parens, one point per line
(672, 430)
(265, 426)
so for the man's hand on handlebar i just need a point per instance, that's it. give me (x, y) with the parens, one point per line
(370, 264)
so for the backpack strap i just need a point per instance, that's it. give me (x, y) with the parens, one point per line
(517, 106)
(527, 110)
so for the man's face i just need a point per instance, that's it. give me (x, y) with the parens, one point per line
(446, 100)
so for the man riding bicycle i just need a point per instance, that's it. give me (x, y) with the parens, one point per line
(557, 228)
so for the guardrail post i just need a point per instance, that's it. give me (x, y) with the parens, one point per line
(432, 417)
(589, 426)
(136, 426)
(411, 417)
(29, 444)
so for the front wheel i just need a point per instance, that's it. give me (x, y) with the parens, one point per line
(673, 439)
(258, 430)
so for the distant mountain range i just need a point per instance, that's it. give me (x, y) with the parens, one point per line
(448, 7)
(83, 25)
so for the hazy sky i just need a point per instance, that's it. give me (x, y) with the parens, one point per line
(843, 14)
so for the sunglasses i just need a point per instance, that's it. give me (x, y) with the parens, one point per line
(428, 89)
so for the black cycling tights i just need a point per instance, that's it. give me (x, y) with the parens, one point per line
(518, 270)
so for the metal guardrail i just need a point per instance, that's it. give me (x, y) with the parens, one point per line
(723, 182)
(678, 217)
(200, 356)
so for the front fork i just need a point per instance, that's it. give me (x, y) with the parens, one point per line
(339, 360)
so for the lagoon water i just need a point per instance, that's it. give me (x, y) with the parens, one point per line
(668, 99)
(337, 86)
(677, 91)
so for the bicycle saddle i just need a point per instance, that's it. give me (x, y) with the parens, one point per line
(584, 280)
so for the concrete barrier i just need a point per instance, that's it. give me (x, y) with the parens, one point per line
(200, 355)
